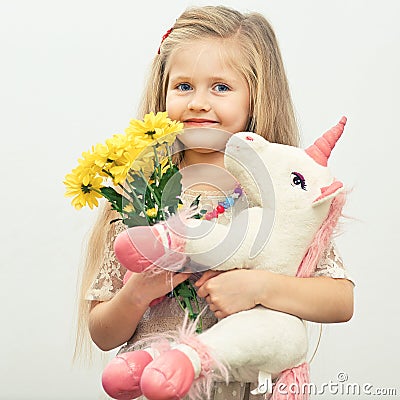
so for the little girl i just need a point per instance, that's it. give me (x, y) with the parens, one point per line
(216, 68)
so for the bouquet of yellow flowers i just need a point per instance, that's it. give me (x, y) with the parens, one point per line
(135, 173)
(131, 171)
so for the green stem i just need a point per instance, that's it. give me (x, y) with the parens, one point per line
(169, 156)
(151, 189)
(200, 323)
(178, 299)
(132, 189)
(186, 305)
(136, 199)
(121, 186)
(157, 161)
(134, 195)
(112, 202)
(124, 189)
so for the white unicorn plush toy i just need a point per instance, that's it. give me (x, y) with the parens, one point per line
(295, 203)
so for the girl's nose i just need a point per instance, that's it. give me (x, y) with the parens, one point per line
(199, 102)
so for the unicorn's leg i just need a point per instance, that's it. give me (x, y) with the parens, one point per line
(170, 376)
(246, 342)
(121, 377)
(257, 339)
(139, 247)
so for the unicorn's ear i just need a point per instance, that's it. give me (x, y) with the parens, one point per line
(250, 137)
(328, 192)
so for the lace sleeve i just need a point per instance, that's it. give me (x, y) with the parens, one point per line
(331, 264)
(109, 279)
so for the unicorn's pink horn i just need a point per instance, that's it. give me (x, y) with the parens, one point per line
(322, 147)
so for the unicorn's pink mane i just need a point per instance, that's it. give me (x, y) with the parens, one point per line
(321, 238)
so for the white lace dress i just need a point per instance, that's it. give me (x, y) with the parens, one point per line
(168, 316)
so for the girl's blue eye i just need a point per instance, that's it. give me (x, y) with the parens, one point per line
(221, 87)
(184, 87)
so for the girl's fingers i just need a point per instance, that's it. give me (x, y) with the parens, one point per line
(202, 291)
(179, 278)
(206, 276)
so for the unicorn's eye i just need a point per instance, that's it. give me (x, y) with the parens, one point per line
(297, 179)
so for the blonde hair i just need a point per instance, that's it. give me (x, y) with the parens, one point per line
(261, 65)
(272, 114)
(101, 233)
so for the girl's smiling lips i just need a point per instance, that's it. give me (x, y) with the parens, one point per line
(199, 122)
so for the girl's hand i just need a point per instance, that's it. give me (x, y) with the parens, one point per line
(231, 291)
(143, 288)
(318, 299)
(113, 322)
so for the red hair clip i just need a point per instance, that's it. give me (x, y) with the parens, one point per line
(163, 38)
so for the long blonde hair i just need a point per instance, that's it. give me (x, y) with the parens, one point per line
(261, 65)
(272, 114)
(101, 232)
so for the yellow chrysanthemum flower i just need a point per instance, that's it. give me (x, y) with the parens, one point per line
(117, 156)
(82, 185)
(116, 145)
(90, 164)
(144, 142)
(155, 128)
(151, 212)
(170, 132)
(144, 161)
(98, 157)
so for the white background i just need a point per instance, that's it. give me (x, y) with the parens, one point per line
(72, 74)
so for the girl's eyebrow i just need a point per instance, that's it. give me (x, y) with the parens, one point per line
(216, 78)
(179, 78)
(174, 80)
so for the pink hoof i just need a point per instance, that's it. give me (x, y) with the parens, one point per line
(121, 377)
(169, 377)
(138, 248)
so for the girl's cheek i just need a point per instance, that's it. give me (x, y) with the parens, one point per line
(174, 106)
(169, 101)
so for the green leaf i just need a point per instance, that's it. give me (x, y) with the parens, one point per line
(149, 201)
(171, 187)
(184, 291)
(135, 220)
(139, 184)
(112, 196)
(185, 294)
(156, 198)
